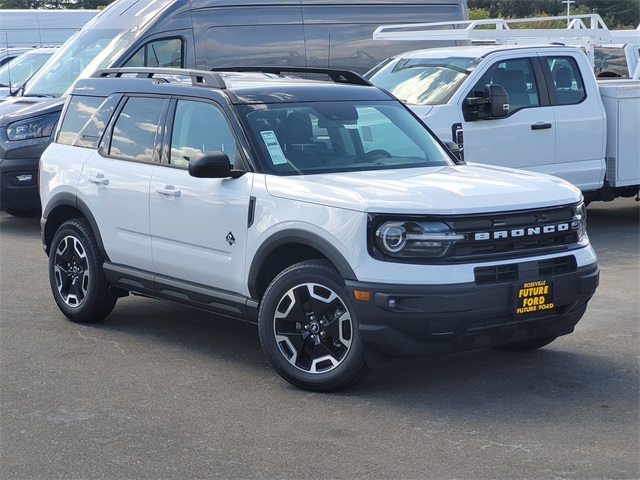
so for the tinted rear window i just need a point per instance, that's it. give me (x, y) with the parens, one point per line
(80, 109)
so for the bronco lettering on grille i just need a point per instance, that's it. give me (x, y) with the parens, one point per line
(524, 232)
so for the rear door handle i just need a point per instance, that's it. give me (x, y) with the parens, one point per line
(169, 191)
(98, 179)
(541, 126)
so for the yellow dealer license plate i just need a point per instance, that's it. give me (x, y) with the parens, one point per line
(535, 296)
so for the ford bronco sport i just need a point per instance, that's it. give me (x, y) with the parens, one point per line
(325, 212)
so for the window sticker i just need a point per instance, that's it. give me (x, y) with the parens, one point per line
(275, 151)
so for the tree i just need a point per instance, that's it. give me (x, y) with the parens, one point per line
(55, 4)
(616, 13)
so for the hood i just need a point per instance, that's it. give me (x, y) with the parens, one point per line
(19, 108)
(451, 190)
(421, 110)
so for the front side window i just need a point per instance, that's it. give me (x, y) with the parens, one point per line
(516, 77)
(199, 127)
(159, 53)
(423, 81)
(321, 137)
(136, 129)
(567, 80)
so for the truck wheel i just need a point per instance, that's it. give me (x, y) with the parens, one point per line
(75, 273)
(528, 345)
(308, 329)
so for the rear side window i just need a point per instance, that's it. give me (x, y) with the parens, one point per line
(93, 130)
(567, 80)
(136, 128)
(159, 53)
(610, 62)
(79, 111)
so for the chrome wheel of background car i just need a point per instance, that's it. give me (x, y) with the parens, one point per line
(308, 328)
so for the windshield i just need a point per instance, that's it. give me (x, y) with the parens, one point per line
(423, 81)
(322, 137)
(80, 56)
(15, 72)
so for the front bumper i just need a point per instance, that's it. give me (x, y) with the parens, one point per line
(19, 185)
(413, 321)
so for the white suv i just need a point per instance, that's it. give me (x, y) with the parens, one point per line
(323, 211)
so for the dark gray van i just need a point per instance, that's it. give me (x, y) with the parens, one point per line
(198, 34)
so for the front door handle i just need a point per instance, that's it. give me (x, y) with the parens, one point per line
(541, 126)
(169, 191)
(98, 179)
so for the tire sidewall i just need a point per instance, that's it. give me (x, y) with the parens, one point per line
(309, 272)
(81, 231)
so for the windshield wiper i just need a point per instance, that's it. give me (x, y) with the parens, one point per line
(40, 95)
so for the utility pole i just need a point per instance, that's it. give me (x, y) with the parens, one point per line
(568, 2)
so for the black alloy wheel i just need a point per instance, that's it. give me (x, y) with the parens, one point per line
(308, 329)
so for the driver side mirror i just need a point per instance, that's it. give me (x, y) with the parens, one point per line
(494, 104)
(212, 164)
(498, 100)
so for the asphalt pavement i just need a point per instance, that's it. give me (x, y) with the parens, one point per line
(167, 392)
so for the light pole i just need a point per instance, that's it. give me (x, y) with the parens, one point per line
(568, 2)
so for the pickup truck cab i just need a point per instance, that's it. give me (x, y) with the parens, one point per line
(552, 120)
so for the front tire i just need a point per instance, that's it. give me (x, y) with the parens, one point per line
(308, 328)
(75, 273)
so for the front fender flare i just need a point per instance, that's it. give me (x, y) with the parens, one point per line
(299, 237)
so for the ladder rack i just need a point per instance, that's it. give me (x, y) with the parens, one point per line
(498, 31)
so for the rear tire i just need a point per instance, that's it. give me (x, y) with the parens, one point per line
(75, 273)
(308, 328)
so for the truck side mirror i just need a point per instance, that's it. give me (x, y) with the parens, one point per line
(493, 104)
(498, 100)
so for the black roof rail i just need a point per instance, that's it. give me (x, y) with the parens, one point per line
(198, 77)
(338, 76)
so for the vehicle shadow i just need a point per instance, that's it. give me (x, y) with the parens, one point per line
(564, 374)
(560, 376)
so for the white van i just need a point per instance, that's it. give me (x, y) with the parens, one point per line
(40, 28)
(200, 34)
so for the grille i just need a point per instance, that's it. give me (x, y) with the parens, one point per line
(517, 271)
(513, 234)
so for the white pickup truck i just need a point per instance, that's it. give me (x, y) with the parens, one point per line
(555, 118)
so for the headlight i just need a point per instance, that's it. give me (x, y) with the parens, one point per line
(579, 223)
(33, 128)
(411, 239)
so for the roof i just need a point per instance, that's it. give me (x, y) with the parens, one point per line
(471, 51)
(240, 87)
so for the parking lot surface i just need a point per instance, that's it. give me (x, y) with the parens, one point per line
(164, 391)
